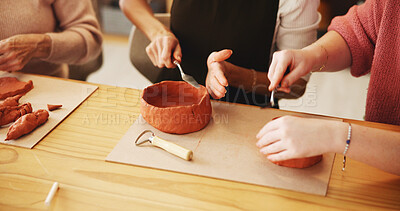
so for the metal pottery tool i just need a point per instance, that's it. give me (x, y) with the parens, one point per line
(186, 77)
(271, 99)
(166, 145)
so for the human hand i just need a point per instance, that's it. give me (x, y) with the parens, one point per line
(163, 50)
(18, 50)
(300, 63)
(216, 80)
(290, 137)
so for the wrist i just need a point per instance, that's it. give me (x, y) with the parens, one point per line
(160, 32)
(240, 77)
(340, 132)
(317, 56)
(43, 46)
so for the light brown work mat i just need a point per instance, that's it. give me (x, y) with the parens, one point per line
(225, 149)
(47, 90)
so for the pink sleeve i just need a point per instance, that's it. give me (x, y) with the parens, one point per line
(359, 29)
(79, 39)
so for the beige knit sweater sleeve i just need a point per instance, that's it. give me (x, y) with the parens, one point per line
(79, 37)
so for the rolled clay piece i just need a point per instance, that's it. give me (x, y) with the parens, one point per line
(299, 162)
(27, 123)
(176, 107)
(11, 101)
(9, 114)
(10, 86)
(53, 107)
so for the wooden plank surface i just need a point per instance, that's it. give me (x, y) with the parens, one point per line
(73, 154)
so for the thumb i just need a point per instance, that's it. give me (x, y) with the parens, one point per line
(178, 53)
(292, 77)
(220, 56)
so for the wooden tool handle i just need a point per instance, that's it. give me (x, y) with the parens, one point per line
(172, 148)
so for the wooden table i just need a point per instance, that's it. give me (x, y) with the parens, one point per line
(73, 154)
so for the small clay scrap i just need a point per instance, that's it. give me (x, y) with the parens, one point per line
(27, 123)
(53, 107)
(300, 162)
(10, 86)
(9, 114)
(11, 101)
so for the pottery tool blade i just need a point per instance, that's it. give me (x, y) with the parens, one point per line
(271, 99)
(186, 77)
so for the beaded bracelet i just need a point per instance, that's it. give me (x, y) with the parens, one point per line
(346, 147)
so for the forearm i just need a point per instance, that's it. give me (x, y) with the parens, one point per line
(375, 147)
(79, 39)
(27, 45)
(141, 15)
(330, 51)
(43, 46)
(245, 78)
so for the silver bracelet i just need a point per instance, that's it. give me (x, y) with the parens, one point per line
(346, 147)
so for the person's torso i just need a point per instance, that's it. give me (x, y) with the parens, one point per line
(26, 17)
(30, 17)
(244, 26)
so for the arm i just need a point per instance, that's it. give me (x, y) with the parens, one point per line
(351, 43)
(295, 137)
(164, 44)
(80, 38)
(141, 15)
(330, 52)
(295, 28)
(18, 50)
(78, 42)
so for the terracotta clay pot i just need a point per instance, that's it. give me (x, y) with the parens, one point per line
(176, 107)
(298, 162)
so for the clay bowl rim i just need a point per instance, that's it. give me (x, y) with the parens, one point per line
(203, 98)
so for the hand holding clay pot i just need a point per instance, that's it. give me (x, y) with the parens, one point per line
(292, 137)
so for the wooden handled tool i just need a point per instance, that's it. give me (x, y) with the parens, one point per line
(166, 145)
(171, 148)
